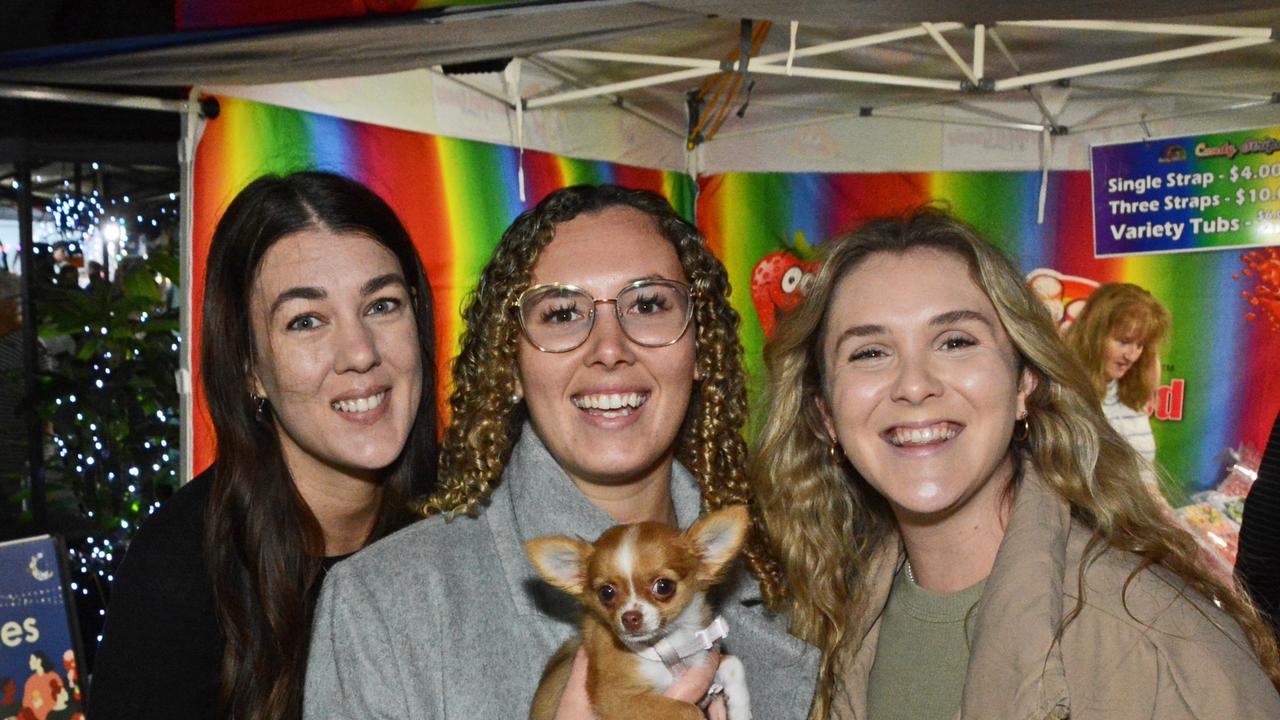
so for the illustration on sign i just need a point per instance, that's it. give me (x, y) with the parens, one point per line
(38, 669)
(780, 280)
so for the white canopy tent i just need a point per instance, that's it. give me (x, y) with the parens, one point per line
(831, 86)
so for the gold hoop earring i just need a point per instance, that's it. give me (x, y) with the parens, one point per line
(1021, 429)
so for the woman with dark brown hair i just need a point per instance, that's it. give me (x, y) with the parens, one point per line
(600, 381)
(317, 361)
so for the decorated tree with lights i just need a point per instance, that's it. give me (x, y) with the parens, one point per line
(110, 402)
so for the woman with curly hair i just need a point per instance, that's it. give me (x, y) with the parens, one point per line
(1116, 338)
(600, 381)
(959, 528)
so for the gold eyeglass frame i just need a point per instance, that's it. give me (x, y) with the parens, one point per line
(688, 314)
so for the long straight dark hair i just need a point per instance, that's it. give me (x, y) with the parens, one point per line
(262, 544)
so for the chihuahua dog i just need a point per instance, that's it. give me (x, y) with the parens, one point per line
(646, 617)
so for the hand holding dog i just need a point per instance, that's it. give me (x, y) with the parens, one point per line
(691, 688)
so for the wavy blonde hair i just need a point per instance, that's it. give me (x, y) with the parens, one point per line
(1121, 310)
(487, 419)
(824, 522)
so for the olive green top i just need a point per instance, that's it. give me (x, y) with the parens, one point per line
(923, 653)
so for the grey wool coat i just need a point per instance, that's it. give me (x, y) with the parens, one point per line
(449, 621)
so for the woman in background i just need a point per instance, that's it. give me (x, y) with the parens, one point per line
(318, 368)
(1117, 338)
(960, 530)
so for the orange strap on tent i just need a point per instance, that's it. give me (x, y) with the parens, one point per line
(717, 83)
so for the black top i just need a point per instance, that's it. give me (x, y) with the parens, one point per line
(1258, 561)
(161, 646)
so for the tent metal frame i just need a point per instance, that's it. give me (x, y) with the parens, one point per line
(974, 78)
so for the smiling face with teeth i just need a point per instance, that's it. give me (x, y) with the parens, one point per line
(610, 410)
(922, 385)
(336, 353)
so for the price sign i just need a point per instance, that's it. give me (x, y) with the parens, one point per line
(1204, 192)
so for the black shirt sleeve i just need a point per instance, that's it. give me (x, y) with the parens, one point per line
(1258, 559)
(161, 646)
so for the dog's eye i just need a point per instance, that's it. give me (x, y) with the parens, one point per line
(664, 588)
(607, 593)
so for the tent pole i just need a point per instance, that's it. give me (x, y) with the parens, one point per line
(1171, 91)
(1124, 63)
(638, 58)
(571, 95)
(1022, 127)
(951, 52)
(1025, 127)
(1150, 28)
(193, 124)
(979, 51)
(1035, 97)
(439, 72)
(88, 97)
(617, 100)
(1076, 130)
(1004, 50)
(811, 51)
(700, 67)
(30, 357)
(980, 111)
(859, 77)
(861, 42)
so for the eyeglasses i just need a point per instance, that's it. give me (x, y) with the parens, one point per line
(558, 318)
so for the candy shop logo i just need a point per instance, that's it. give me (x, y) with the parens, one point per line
(1063, 296)
(1264, 145)
(1226, 150)
(1172, 153)
(1168, 402)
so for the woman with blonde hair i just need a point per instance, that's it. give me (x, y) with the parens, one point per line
(600, 381)
(958, 526)
(1116, 338)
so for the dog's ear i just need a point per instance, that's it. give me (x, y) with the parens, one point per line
(717, 538)
(561, 561)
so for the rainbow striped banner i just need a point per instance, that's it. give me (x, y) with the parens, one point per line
(456, 197)
(1220, 384)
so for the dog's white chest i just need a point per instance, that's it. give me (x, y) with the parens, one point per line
(658, 675)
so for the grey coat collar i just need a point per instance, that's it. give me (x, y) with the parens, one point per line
(536, 498)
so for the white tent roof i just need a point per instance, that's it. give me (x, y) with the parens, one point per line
(939, 93)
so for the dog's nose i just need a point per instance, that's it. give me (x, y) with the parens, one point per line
(632, 619)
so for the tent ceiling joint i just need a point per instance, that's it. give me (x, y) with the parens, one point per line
(974, 74)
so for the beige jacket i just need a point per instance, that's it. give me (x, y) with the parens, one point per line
(1158, 653)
